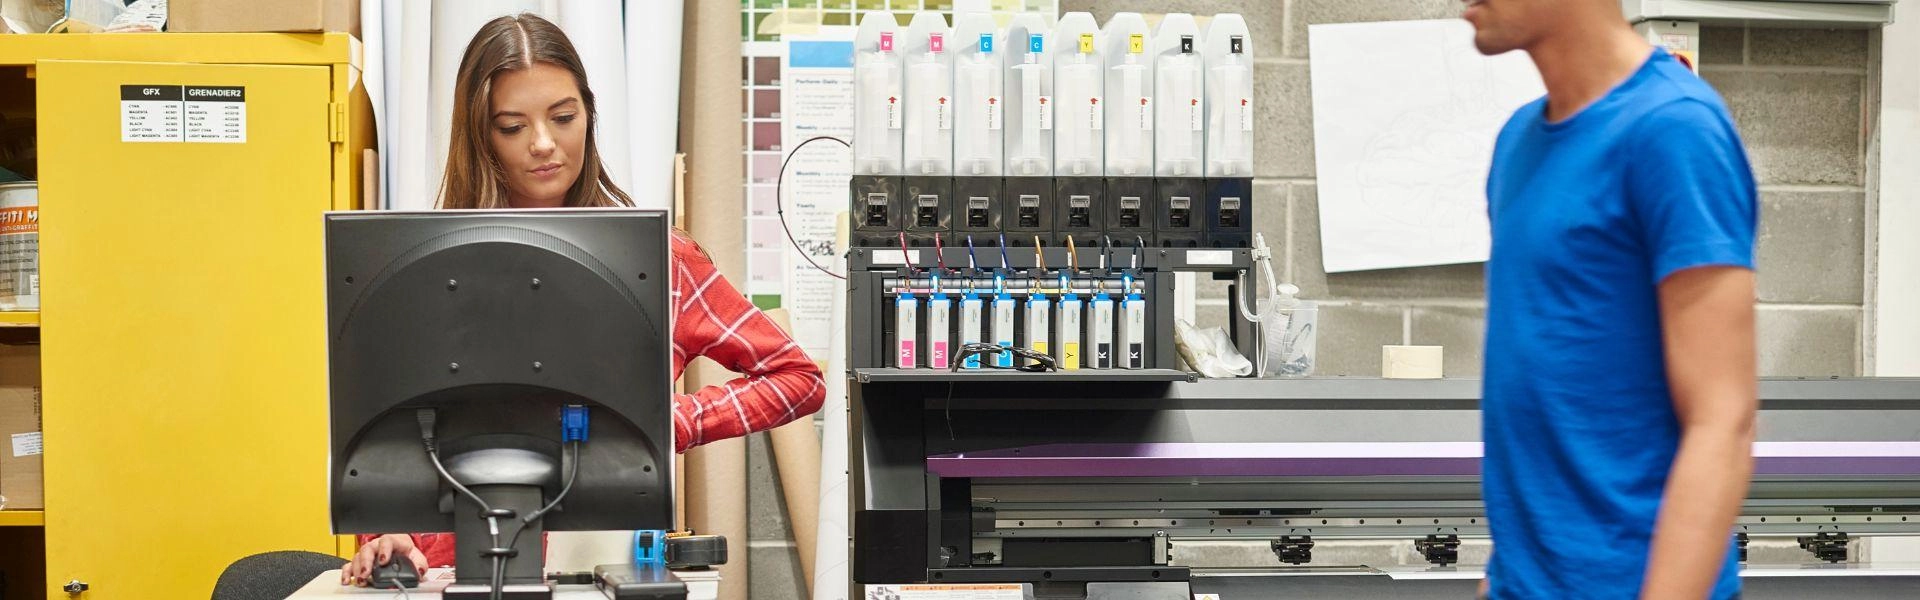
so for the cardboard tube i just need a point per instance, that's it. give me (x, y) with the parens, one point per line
(717, 502)
(710, 134)
(796, 455)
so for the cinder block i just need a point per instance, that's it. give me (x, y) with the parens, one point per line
(1270, 216)
(1210, 315)
(766, 507)
(1799, 128)
(1282, 121)
(1303, 253)
(1808, 342)
(1315, 12)
(774, 574)
(1846, 48)
(1350, 338)
(1462, 331)
(1723, 45)
(1265, 20)
(1206, 288)
(1811, 247)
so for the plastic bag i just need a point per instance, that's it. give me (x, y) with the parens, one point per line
(1209, 352)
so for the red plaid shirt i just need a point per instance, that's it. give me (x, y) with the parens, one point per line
(714, 320)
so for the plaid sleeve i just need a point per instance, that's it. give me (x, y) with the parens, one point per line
(780, 382)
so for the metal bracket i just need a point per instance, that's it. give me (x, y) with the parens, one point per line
(1162, 548)
(1439, 550)
(1294, 549)
(1742, 538)
(1829, 546)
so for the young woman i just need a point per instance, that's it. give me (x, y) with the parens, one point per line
(523, 138)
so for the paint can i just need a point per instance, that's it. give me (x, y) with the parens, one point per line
(20, 246)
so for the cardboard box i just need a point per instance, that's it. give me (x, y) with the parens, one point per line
(20, 447)
(208, 16)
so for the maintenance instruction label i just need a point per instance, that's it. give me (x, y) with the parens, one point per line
(183, 113)
(992, 591)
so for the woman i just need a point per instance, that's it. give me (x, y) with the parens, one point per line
(523, 138)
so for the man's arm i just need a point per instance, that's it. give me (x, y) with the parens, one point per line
(1706, 318)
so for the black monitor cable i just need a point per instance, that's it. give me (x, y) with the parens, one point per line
(426, 417)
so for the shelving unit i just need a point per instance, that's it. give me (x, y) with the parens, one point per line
(20, 319)
(22, 518)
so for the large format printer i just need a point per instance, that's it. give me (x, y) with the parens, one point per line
(1145, 483)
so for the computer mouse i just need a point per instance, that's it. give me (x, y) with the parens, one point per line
(397, 573)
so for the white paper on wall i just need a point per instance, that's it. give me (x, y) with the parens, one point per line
(1405, 115)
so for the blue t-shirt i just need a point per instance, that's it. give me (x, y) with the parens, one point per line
(1589, 215)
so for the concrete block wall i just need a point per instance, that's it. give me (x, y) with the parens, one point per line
(1800, 98)
(774, 572)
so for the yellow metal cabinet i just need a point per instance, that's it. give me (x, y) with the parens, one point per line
(183, 320)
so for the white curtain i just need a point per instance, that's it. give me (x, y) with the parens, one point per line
(631, 49)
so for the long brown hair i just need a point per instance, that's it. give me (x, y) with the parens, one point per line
(474, 177)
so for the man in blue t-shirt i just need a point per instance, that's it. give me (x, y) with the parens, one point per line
(1620, 389)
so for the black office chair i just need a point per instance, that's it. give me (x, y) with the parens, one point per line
(272, 575)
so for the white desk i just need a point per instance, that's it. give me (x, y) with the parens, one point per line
(701, 585)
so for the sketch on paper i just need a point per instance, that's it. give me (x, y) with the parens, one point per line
(1405, 116)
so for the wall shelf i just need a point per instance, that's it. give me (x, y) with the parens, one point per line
(22, 518)
(1765, 13)
(19, 318)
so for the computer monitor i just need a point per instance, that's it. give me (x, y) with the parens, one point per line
(481, 328)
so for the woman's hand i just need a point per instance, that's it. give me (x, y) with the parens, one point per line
(380, 551)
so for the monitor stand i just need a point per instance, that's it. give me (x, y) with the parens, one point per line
(473, 547)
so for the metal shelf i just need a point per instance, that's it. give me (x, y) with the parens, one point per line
(211, 48)
(1371, 393)
(20, 319)
(1774, 13)
(22, 518)
(985, 375)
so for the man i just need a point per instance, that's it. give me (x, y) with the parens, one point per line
(1620, 389)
